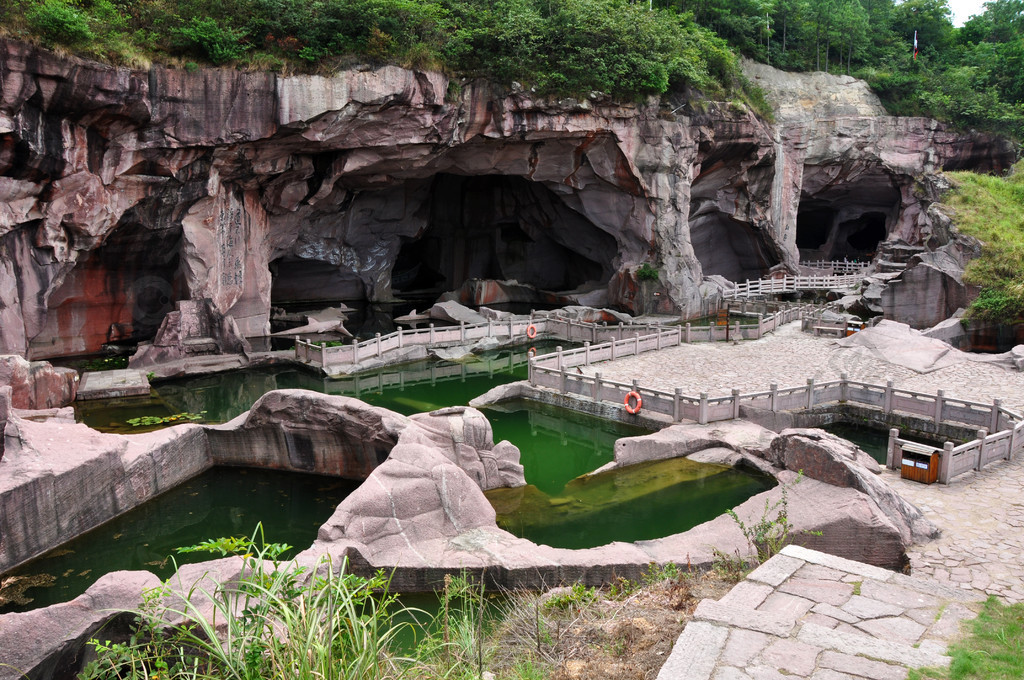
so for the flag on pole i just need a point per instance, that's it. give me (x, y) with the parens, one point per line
(915, 45)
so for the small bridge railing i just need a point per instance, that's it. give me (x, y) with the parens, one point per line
(789, 284)
(549, 327)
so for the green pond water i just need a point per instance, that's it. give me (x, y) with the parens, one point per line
(873, 441)
(220, 502)
(557, 508)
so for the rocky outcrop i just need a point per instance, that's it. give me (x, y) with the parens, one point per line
(124, 192)
(37, 384)
(51, 642)
(931, 289)
(899, 344)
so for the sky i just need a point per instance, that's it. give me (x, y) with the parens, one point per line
(964, 9)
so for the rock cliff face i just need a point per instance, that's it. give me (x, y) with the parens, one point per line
(123, 192)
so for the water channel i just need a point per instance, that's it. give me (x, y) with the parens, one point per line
(558, 507)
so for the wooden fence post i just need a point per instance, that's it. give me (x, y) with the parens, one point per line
(945, 461)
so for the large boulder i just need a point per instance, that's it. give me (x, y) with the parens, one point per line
(50, 642)
(465, 437)
(839, 463)
(311, 432)
(37, 384)
(898, 343)
(931, 288)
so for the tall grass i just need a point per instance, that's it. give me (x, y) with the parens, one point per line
(991, 209)
(275, 621)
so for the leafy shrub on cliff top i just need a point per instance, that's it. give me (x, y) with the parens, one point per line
(554, 47)
(60, 22)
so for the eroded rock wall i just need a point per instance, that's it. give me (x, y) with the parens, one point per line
(122, 192)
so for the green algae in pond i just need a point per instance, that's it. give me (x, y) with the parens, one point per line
(637, 502)
(556, 445)
(219, 502)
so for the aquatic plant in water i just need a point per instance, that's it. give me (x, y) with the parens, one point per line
(184, 417)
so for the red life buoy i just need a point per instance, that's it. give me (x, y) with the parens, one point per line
(531, 331)
(532, 352)
(630, 408)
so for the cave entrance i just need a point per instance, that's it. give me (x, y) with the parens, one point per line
(300, 280)
(729, 248)
(844, 219)
(118, 294)
(500, 227)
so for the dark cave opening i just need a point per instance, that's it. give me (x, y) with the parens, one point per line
(813, 225)
(860, 237)
(844, 219)
(118, 294)
(295, 279)
(728, 247)
(501, 227)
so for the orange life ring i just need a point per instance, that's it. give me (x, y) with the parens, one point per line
(630, 409)
(531, 331)
(532, 352)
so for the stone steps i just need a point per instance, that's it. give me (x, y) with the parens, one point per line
(806, 614)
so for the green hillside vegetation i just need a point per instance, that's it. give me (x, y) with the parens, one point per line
(971, 76)
(564, 47)
(992, 210)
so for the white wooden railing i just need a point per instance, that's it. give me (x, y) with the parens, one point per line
(548, 327)
(552, 371)
(789, 284)
(838, 266)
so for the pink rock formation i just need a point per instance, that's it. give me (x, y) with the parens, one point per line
(37, 384)
(123, 192)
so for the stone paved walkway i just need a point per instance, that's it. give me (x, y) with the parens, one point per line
(806, 614)
(981, 514)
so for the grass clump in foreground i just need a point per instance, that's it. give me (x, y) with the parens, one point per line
(281, 620)
(991, 209)
(994, 650)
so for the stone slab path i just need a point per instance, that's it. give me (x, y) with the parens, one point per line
(806, 614)
(123, 382)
